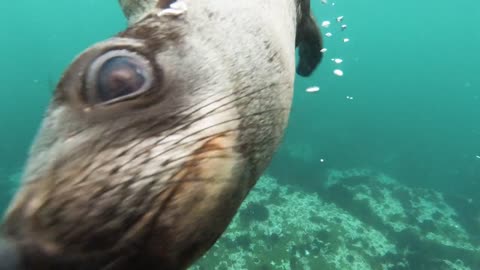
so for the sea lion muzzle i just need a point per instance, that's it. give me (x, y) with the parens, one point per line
(153, 138)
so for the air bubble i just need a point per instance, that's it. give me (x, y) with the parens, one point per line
(326, 24)
(338, 72)
(313, 89)
(337, 60)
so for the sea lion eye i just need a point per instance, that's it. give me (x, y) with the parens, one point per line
(117, 76)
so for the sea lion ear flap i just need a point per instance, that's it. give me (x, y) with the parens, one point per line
(309, 41)
(134, 10)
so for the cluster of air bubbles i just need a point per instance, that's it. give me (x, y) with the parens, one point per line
(331, 29)
(342, 27)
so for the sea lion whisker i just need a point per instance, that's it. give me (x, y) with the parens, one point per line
(176, 145)
(94, 199)
(153, 125)
(131, 235)
(73, 230)
(210, 113)
(198, 161)
(233, 120)
(185, 117)
(157, 123)
(181, 143)
(134, 179)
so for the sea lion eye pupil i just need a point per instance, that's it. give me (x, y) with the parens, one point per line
(119, 76)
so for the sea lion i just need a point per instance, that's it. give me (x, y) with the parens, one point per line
(154, 137)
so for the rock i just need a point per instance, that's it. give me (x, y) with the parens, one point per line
(301, 232)
(362, 220)
(421, 222)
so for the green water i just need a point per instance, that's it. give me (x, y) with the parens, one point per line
(411, 69)
(408, 104)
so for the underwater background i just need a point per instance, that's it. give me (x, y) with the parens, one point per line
(379, 168)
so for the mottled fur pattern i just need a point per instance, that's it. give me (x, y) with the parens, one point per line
(152, 182)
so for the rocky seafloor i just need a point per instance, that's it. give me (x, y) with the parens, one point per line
(361, 220)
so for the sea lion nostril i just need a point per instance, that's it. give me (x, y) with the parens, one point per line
(117, 76)
(9, 257)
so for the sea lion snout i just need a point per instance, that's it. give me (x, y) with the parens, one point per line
(151, 163)
(153, 138)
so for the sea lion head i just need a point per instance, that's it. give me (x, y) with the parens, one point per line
(154, 137)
